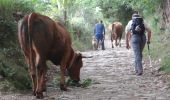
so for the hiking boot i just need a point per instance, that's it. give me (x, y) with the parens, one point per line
(138, 73)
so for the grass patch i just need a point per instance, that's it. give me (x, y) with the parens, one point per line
(165, 65)
(86, 82)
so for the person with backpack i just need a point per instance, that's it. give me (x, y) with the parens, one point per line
(135, 31)
(99, 33)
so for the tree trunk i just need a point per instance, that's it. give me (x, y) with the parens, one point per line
(165, 6)
(65, 16)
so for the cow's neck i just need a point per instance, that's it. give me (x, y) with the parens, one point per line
(72, 60)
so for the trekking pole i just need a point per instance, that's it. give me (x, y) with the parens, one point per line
(149, 54)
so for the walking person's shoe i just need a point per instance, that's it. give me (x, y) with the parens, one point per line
(139, 73)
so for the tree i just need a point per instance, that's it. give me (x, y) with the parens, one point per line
(63, 6)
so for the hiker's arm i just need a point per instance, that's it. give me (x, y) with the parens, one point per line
(148, 35)
(127, 36)
(148, 30)
(104, 30)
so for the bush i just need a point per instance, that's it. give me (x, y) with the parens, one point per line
(12, 64)
(14, 70)
(81, 34)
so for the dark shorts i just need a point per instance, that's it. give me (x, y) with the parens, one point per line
(99, 37)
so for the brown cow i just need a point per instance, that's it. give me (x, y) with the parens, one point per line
(116, 30)
(42, 39)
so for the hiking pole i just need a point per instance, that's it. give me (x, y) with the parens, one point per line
(150, 61)
(149, 54)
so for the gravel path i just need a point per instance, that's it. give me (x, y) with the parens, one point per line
(113, 78)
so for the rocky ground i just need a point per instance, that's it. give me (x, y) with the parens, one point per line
(113, 78)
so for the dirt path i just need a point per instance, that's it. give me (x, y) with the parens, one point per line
(113, 78)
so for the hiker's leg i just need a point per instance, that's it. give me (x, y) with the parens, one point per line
(98, 43)
(103, 47)
(137, 53)
(143, 42)
(102, 42)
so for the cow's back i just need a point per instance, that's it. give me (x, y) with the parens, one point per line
(44, 36)
(118, 28)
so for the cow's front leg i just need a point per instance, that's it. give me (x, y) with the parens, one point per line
(111, 38)
(112, 42)
(119, 42)
(62, 80)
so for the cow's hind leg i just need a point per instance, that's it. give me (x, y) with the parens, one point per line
(119, 42)
(33, 78)
(120, 37)
(115, 38)
(41, 79)
(32, 71)
(116, 41)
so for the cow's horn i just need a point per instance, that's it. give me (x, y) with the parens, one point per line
(87, 56)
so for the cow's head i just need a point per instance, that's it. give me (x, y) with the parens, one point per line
(74, 69)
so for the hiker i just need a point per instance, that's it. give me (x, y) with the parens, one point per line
(135, 31)
(99, 33)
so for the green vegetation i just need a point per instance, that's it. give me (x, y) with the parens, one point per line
(86, 82)
(165, 65)
(12, 65)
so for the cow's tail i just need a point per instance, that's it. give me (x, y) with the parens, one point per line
(30, 41)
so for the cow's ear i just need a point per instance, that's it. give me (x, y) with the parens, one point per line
(18, 16)
(79, 56)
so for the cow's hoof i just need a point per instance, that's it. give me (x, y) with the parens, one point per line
(39, 95)
(63, 87)
(76, 83)
(44, 89)
(33, 93)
